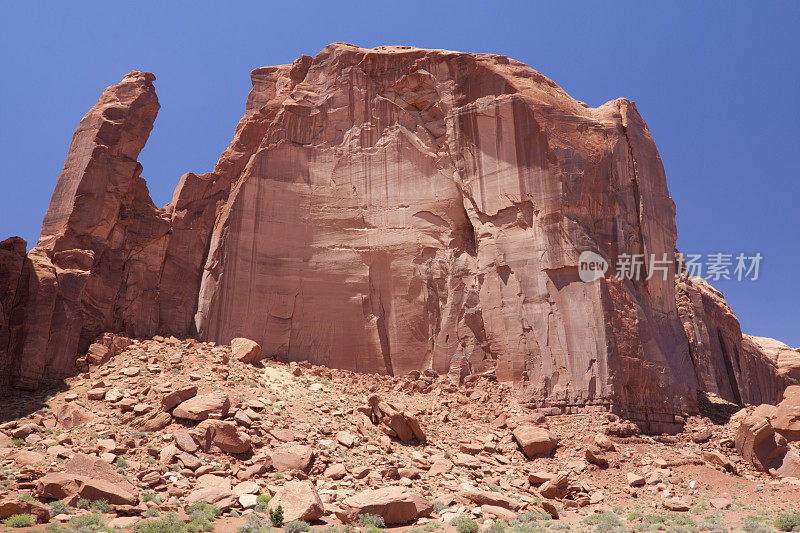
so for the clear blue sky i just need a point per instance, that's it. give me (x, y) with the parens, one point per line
(717, 82)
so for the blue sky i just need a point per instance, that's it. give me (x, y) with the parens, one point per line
(717, 82)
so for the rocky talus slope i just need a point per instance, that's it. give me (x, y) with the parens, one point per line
(164, 424)
(389, 210)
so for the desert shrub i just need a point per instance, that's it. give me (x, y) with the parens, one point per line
(371, 520)
(498, 527)
(169, 524)
(276, 516)
(755, 524)
(58, 507)
(464, 524)
(787, 522)
(19, 520)
(203, 510)
(255, 524)
(262, 502)
(100, 506)
(296, 526)
(603, 522)
(152, 512)
(89, 523)
(83, 503)
(438, 506)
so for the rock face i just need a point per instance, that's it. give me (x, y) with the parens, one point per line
(383, 210)
(99, 256)
(739, 368)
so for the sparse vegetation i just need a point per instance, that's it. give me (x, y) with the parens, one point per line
(255, 524)
(169, 524)
(438, 506)
(296, 526)
(25, 497)
(498, 527)
(603, 522)
(100, 506)
(59, 507)
(19, 520)
(755, 524)
(276, 516)
(262, 502)
(371, 520)
(787, 522)
(464, 524)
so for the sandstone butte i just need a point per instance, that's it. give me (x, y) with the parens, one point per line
(388, 210)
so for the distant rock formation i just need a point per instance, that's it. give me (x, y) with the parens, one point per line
(388, 210)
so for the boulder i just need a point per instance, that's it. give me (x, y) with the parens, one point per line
(299, 500)
(556, 488)
(201, 407)
(292, 456)
(224, 499)
(396, 505)
(184, 441)
(245, 350)
(758, 444)
(10, 505)
(177, 396)
(60, 485)
(786, 418)
(535, 441)
(492, 498)
(157, 422)
(223, 435)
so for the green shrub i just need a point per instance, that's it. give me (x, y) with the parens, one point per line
(169, 524)
(25, 497)
(206, 510)
(438, 506)
(464, 524)
(58, 507)
(100, 506)
(18, 443)
(603, 522)
(276, 516)
(371, 520)
(19, 520)
(296, 526)
(83, 503)
(148, 496)
(498, 527)
(755, 524)
(152, 512)
(262, 502)
(787, 522)
(88, 523)
(255, 524)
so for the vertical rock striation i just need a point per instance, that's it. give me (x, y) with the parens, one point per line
(97, 264)
(389, 210)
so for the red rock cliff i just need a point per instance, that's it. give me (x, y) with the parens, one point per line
(381, 210)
